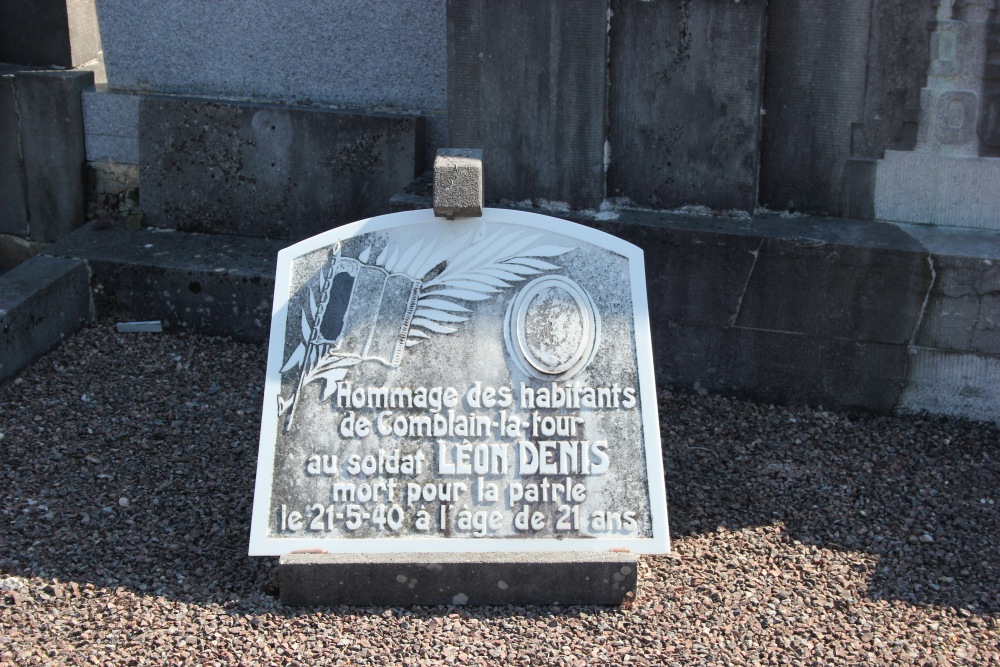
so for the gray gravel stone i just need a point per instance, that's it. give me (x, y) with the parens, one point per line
(798, 534)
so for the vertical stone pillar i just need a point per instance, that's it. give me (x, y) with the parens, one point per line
(527, 81)
(686, 82)
(815, 72)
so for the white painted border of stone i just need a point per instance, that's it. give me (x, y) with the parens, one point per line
(261, 545)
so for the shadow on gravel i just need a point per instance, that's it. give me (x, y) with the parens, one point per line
(132, 464)
(923, 495)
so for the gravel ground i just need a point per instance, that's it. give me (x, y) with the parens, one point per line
(801, 536)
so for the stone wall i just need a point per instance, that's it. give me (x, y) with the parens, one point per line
(716, 104)
(658, 105)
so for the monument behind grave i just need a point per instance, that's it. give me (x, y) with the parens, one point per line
(480, 385)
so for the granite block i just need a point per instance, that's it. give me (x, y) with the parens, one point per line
(377, 54)
(271, 171)
(111, 121)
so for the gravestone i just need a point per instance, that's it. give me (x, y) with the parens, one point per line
(469, 388)
(949, 177)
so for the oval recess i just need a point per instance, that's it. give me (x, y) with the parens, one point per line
(552, 328)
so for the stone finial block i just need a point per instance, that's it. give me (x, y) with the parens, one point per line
(458, 183)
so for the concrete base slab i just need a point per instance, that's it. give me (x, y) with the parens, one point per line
(952, 383)
(935, 189)
(219, 285)
(606, 578)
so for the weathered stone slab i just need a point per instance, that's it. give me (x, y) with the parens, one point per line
(678, 249)
(814, 90)
(483, 384)
(788, 368)
(41, 302)
(52, 146)
(963, 307)
(13, 206)
(264, 170)
(16, 250)
(898, 50)
(457, 579)
(684, 103)
(846, 295)
(527, 82)
(953, 383)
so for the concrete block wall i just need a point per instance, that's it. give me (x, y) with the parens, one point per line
(846, 314)
(695, 112)
(840, 313)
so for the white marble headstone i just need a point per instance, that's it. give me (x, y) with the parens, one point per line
(477, 385)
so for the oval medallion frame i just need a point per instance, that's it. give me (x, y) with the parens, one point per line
(517, 325)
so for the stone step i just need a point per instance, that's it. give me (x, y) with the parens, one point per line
(833, 312)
